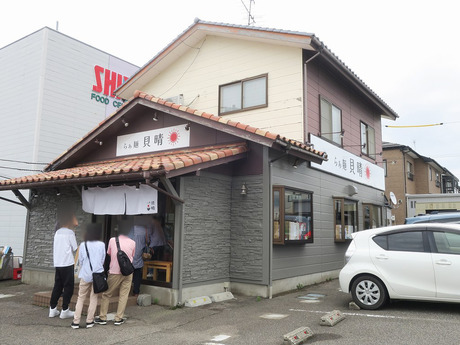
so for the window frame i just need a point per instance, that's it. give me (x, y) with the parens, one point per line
(368, 149)
(371, 215)
(433, 243)
(342, 225)
(410, 171)
(427, 239)
(337, 132)
(281, 240)
(241, 82)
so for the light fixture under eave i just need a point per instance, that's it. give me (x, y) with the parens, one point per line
(155, 117)
(137, 186)
(124, 122)
(58, 192)
(295, 163)
(98, 142)
(244, 189)
(187, 127)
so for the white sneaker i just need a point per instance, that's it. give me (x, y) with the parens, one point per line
(66, 314)
(54, 312)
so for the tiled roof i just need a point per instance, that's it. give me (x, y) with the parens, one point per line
(227, 121)
(163, 161)
(247, 128)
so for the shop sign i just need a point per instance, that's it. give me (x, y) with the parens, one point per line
(107, 82)
(347, 165)
(155, 140)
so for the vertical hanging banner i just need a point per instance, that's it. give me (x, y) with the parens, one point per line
(155, 140)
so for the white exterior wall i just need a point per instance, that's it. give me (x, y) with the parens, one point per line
(46, 86)
(223, 60)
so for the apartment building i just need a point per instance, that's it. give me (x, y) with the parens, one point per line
(409, 173)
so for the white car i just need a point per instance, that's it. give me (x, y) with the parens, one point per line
(410, 262)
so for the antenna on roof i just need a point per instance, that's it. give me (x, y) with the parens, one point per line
(251, 19)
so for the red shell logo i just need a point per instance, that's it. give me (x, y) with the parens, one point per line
(368, 172)
(173, 137)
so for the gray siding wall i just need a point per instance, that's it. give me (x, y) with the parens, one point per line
(247, 235)
(207, 228)
(42, 221)
(323, 254)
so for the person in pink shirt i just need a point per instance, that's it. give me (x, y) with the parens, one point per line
(115, 280)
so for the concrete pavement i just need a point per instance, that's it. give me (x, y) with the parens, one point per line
(243, 321)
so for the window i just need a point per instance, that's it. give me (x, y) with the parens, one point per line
(385, 167)
(431, 174)
(372, 216)
(367, 140)
(447, 242)
(438, 181)
(331, 122)
(292, 216)
(410, 171)
(409, 241)
(243, 95)
(346, 219)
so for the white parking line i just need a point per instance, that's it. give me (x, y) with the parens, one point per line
(376, 316)
(273, 316)
(5, 296)
(220, 337)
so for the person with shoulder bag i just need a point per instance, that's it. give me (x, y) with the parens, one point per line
(121, 250)
(91, 258)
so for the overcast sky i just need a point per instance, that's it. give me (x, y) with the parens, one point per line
(406, 51)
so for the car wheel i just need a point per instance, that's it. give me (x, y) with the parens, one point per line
(369, 292)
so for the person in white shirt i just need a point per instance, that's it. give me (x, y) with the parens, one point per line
(64, 246)
(96, 249)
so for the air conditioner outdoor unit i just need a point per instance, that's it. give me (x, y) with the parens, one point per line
(179, 99)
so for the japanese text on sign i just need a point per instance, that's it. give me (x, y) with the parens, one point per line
(154, 140)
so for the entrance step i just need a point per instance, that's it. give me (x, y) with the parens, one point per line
(42, 299)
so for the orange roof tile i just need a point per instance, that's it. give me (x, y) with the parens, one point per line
(171, 160)
(239, 125)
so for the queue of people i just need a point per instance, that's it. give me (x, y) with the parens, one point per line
(136, 241)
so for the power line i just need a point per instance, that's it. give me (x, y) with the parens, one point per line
(427, 125)
(193, 61)
(11, 168)
(14, 161)
(414, 126)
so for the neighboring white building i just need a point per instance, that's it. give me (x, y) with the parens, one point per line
(54, 90)
(418, 204)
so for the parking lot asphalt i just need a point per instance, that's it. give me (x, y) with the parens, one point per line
(242, 321)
